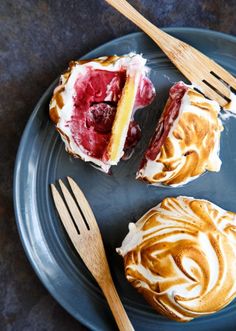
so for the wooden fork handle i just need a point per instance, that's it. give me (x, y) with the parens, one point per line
(159, 36)
(116, 306)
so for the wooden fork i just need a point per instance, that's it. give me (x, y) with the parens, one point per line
(214, 81)
(86, 238)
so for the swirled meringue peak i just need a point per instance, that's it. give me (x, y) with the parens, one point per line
(186, 142)
(181, 255)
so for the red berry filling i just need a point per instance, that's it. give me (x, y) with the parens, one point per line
(93, 116)
(101, 116)
(166, 121)
(133, 135)
(95, 104)
(145, 94)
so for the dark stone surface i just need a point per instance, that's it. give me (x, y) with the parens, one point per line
(37, 39)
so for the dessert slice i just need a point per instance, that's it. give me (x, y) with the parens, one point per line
(181, 256)
(186, 141)
(94, 105)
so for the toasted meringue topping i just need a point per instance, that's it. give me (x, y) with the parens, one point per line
(190, 143)
(94, 105)
(181, 255)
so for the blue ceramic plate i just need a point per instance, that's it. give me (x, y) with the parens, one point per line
(116, 200)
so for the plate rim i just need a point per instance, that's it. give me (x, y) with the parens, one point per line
(19, 156)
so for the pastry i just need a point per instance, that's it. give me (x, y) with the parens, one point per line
(94, 104)
(186, 142)
(181, 255)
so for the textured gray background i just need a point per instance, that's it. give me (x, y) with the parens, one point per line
(37, 39)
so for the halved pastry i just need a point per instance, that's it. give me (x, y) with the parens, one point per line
(186, 141)
(94, 104)
(181, 255)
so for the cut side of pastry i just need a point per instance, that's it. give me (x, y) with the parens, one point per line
(186, 142)
(94, 105)
(181, 255)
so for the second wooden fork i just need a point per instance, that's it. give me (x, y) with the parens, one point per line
(85, 235)
(213, 80)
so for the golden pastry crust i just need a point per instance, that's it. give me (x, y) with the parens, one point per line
(191, 147)
(184, 260)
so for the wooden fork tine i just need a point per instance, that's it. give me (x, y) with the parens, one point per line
(219, 85)
(64, 215)
(225, 75)
(78, 218)
(83, 203)
(210, 93)
(212, 66)
(198, 76)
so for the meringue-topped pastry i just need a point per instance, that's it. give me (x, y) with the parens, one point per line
(186, 142)
(181, 255)
(94, 104)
